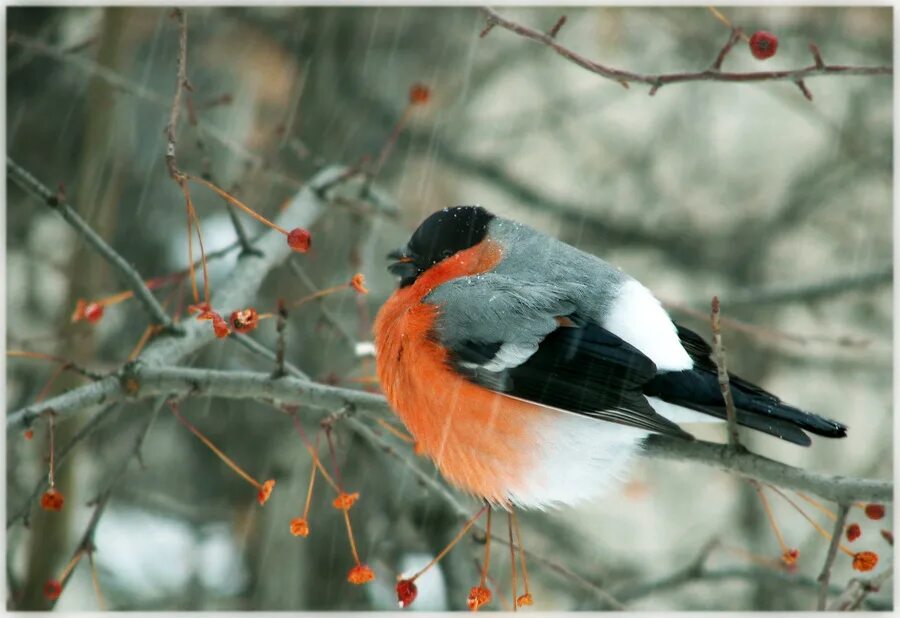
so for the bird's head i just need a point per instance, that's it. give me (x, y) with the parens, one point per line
(442, 235)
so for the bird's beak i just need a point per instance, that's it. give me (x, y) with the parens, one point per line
(403, 264)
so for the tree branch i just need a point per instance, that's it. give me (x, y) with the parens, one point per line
(656, 81)
(836, 534)
(144, 380)
(132, 278)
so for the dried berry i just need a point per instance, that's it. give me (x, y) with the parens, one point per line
(299, 240)
(52, 589)
(406, 592)
(763, 44)
(220, 326)
(244, 321)
(888, 536)
(29, 434)
(299, 527)
(344, 501)
(360, 574)
(52, 500)
(479, 596)
(265, 491)
(865, 560)
(358, 283)
(789, 556)
(524, 599)
(853, 532)
(874, 511)
(419, 94)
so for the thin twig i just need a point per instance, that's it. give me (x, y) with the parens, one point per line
(858, 589)
(656, 81)
(131, 277)
(733, 38)
(825, 575)
(279, 349)
(722, 369)
(180, 84)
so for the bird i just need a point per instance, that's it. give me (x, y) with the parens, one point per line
(532, 372)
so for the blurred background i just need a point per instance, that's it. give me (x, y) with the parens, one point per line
(779, 205)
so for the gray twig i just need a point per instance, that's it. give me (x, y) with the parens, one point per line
(132, 278)
(722, 370)
(656, 81)
(145, 379)
(858, 589)
(836, 534)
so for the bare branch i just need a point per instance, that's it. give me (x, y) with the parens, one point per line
(836, 534)
(144, 379)
(130, 276)
(722, 371)
(859, 589)
(180, 85)
(656, 81)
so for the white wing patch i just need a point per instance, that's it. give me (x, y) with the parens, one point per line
(638, 317)
(509, 355)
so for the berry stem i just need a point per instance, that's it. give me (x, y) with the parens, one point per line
(228, 461)
(459, 535)
(487, 549)
(350, 536)
(96, 581)
(52, 439)
(818, 505)
(817, 527)
(236, 202)
(718, 15)
(309, 491)
(765, 503)
(521, 552)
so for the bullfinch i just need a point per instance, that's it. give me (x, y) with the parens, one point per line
(531, 372)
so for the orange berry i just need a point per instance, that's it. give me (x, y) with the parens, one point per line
(299, 240)
(244, 321)
(52, 589)
(479, 596)
(299, 527)
(853, 532)
(406, 592)
(344, 501)
(358, 283)
(874, 511)
(29, 434)
(220, 326)
(524, 599)
(52, 500)
(865, 560)
(419, 94)
(360, 574)
(262, 496)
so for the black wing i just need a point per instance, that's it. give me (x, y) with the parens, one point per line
(698, 389)
(580, 367)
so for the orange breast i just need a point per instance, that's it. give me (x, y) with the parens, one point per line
(480, 440)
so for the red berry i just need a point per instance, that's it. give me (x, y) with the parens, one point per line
(52, 589)
(763, 44)
(874, 511)
(299, 240)
(220, 326)
(865, 561)
(29, 434)
(853, 532)
(93, 312)
(419, 94)
(406, 592)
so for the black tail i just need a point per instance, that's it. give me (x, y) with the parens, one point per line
(698, 389)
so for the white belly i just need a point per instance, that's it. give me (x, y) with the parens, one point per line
(578, 458)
